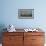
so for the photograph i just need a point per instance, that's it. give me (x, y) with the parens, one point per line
(26, 13)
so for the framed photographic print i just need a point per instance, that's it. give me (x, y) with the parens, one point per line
(26, 13)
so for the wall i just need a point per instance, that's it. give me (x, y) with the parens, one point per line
(9, 13)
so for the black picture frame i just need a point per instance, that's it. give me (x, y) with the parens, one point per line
(26, 13)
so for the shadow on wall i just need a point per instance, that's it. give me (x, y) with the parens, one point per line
(2, 26)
